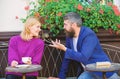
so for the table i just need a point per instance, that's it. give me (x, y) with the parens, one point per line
(24, 70)
(113, 67)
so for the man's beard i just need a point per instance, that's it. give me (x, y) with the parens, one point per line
(70, 33)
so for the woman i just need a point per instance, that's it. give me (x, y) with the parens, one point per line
(27, 44)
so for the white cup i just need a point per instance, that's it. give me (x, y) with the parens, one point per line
(26, 59)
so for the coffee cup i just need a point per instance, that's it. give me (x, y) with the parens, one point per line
(26, 59)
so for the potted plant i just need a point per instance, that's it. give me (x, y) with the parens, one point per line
(94, 15)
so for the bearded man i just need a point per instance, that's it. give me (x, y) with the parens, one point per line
(82, 46)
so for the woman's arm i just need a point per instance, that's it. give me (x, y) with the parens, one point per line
(12, 52)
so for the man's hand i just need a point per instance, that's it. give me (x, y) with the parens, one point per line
(58, 45)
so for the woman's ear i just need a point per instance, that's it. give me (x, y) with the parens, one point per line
(27, 29)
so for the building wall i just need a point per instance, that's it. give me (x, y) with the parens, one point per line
(9, 10)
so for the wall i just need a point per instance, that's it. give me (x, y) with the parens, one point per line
(9, 10)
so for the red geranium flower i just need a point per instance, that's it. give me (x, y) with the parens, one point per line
(118, 25)
(109, 3)
(79, 7)
(88, 9)
(36, 14)
(47, 0)
(101, 11)
(16, 17)
(26, 8)
(59, 14)
(116, 10)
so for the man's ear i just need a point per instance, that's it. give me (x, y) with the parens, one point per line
(74, 24)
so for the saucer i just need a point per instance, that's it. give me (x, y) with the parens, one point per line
(22, 66)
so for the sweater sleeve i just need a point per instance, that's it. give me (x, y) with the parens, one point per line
(12, 50)
(36, 59)
(88, 46)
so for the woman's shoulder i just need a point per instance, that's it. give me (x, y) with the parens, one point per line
(15, 37)
(38, 41)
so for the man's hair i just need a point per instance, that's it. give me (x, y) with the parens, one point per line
(73, 17)
(25, 34)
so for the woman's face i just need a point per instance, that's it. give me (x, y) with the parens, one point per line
(35, 29)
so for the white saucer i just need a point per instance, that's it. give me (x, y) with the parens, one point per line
(23, 66)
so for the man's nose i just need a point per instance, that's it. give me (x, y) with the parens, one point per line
(39, 29)
(64, 27)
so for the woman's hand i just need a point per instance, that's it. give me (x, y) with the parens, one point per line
(29, 62)
(14, 63)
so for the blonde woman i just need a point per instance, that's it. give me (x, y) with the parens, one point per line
(27, 44)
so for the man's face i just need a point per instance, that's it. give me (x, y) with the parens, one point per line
(68, 28)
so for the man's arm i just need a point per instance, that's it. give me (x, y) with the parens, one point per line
(87, 48)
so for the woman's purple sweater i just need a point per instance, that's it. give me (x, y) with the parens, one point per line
(19, 48)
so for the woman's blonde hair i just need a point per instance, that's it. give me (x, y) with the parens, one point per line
(25, 34)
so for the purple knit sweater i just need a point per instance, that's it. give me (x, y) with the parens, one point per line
(19, 48)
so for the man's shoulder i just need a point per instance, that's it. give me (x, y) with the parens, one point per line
(87, 30)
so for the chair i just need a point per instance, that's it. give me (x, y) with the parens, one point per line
(113, 53)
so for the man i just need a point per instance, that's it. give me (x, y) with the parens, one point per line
(83, 46)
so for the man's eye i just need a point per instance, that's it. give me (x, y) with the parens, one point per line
(65, 24)
(38, 26)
